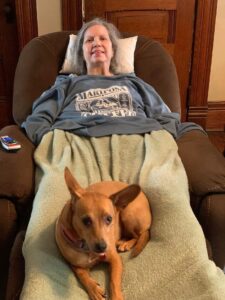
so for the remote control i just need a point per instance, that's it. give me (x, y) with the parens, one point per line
(9, 143)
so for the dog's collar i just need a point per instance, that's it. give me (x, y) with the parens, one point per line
(73, 239)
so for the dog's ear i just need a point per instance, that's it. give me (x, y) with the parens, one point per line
(75, 189)
(122, 198)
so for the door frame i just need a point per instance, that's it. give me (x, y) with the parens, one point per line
(197, 102)
(201, 61)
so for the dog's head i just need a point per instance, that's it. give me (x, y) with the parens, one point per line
(95, 216)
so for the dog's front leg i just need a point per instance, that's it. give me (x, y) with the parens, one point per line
(116, 277)
(94, 290)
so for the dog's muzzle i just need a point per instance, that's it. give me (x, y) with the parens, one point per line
(100, 247)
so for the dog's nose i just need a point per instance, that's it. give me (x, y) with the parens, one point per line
(100, 246)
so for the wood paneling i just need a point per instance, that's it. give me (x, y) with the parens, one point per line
(202, 55)
(26, 21)
(18, 25)
(154, 24)
(9, 52)
(2, 79)
(71, 14)
(216, 116)
(92, 8)
(185, 17)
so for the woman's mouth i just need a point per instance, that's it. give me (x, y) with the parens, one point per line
(97, 52)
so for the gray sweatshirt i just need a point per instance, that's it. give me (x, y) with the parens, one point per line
(97, 106)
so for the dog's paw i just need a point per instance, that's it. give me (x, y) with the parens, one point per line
(96, 292)
(123, 246)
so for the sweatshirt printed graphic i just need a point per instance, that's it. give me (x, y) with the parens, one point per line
(115, 101)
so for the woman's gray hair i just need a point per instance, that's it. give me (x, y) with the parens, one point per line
(114, 35)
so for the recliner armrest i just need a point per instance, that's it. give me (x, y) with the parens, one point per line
(17, 168)
(204, 164)
(212, 219)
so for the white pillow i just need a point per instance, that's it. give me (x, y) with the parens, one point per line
(67, 66)
(125, 55)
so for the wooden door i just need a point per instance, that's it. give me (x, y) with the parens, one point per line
(9, 52)
(171, 22)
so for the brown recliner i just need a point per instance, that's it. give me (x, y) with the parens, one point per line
(39, 64)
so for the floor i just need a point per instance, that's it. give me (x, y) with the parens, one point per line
(218, 139)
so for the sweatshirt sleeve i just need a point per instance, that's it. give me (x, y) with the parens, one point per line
(153, 103)
(156, 108)
(45, 110)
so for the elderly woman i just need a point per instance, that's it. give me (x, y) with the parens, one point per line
(99, 102)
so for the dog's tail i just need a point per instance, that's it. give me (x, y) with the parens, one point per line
(141, 243)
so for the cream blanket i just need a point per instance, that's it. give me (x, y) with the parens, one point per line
(174, 265)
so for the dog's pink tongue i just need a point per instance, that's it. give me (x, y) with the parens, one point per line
(102, 256)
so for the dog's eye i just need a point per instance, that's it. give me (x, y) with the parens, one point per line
(108, 220)
(87, 221)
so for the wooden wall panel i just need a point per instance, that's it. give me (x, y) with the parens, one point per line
(71, 14)
(201, 64)
(159, 25)
(2, 78)
(18, 25)
(99, 6)
(26, 15)
(216, 116)
(5, 98)
(153, 23)
(9, 52)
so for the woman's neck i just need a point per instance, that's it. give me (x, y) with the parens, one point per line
(99, 71)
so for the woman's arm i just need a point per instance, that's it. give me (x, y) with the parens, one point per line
(153, 103)
(45, 110)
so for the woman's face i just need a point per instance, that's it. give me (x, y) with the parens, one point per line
(97, 48)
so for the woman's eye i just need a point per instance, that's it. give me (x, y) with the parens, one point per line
(108, 220)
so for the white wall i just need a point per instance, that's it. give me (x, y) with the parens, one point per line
(217, 76)
(49, 16)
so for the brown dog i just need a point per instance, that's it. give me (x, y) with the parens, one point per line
(91, 224)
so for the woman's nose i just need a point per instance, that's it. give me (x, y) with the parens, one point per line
(96, 41)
